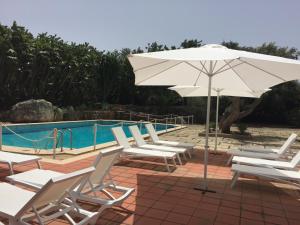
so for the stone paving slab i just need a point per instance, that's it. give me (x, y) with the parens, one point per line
(264, 136)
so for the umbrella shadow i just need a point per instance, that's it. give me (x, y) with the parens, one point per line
(173, 198)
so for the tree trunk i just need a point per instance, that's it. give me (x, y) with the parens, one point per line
(232, 113)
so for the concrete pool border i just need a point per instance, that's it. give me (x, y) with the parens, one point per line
(80, 153)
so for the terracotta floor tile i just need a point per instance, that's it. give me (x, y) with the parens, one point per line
(201, 221)
(207, 206)
(251, 215)
(293, 222)
(163, 206)
(276, 220)
(183, 210)
(169, 223)
(250, 222)
(148, 221)
(227, 219)
(230, 211)
(156, 213)
(206, 214)
(178, 218)
(274, 212)
(252, 208)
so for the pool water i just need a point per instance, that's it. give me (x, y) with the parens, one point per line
(82, 133)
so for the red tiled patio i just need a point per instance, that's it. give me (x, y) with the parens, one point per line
(169, 198)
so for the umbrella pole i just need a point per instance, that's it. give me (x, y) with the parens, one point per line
(205, 189)
(207, 132)
(217, 120)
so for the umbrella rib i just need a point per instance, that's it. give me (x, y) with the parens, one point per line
(154, 75)
(214, 66)
(207, 73)
(155, 64)
(203, 66)
(256, 67)
(199, 75)
(230, 67)
(223, 67)
(238, 75)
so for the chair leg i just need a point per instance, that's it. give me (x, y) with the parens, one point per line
(174, 162)
(11, 221)
(11, 170)
(179, 160)
(234, 178)
(167, 165)
(189, 153)
(184, 156)
(229, 160)
(38, 164)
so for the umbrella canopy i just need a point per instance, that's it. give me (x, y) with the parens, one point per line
(198, 91)
(226, 68)
(240, 70)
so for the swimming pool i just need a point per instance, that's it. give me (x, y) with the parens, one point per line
(40, 136)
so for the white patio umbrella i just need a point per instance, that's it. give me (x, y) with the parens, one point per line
(226, 68)
(198, 91)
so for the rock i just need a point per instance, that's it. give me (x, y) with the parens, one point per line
(58, 114)
(33, 110)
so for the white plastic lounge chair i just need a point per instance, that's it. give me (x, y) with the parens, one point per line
(140, 142)
(288, 165)
(287, 176)
(154, 137)
(20, 206)
(286, 145)
(267, 154)
(38, 178)
(12, 159)
(122, 140)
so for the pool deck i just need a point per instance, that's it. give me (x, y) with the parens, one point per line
(163, 198)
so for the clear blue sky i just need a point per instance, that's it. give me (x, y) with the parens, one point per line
(115, 24)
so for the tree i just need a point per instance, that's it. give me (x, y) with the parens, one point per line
(235, 111)
(191, 43)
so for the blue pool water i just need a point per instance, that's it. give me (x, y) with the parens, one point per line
(82, 133)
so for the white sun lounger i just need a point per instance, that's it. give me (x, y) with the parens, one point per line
(154, 137)
(263, 154)
(288, 165)
(122, 140)
(140, 142)
(287, 176)
(95, 183)
(20, 206)
(286, 145)
(12, 159)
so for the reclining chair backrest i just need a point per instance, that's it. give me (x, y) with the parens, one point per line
(296, 160)
(152, 132)
(137, 135)
(57, 189)
(120, 137)
(103, 164)
(287, 144)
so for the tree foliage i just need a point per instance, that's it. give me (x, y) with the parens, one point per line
(71, 74)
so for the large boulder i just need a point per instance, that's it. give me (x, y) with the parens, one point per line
(33, 110)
